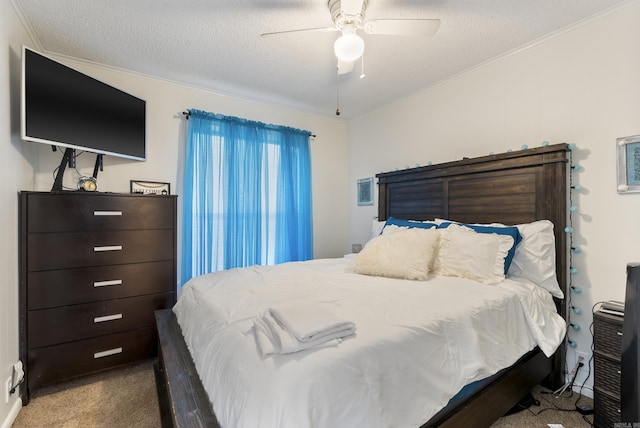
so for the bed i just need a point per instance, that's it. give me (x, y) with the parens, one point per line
(512, 189)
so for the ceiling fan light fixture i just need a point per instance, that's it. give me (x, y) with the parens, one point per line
(349, 46)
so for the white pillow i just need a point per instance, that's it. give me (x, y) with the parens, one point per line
(405, 254)
(467, 254)
(376, 228)
(535, 257)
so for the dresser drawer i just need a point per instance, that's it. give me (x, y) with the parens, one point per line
(607, 410)
(607, 336)
(59, 362)
(75, 212)
(607, 375)
(51, 288)
(48, 327)
(97, 248)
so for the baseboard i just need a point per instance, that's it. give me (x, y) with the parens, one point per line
(587, 390)
(13, 414)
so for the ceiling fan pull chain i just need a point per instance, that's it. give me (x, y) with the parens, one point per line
(337, 92)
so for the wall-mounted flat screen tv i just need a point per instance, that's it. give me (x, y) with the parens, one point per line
(64, 107)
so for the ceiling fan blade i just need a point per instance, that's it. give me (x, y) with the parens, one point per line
(345, 67)
(302, 30)
(351, 7)
(402, 27)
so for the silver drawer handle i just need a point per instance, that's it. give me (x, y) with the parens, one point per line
(107, 318)
(107, 283)
(106, 213)
(108, 248)
(619, 333)
(107, 353)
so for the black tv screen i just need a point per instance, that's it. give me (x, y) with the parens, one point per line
(63, 107)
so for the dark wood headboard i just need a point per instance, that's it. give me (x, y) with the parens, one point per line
(509, 188)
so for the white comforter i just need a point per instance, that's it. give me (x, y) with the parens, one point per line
(417, 343)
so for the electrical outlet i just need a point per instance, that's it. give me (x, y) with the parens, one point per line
(7, 388)
(582, 357)
(583, 372)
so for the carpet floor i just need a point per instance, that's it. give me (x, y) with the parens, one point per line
(121, 397)
(553, 412)
(126, 397)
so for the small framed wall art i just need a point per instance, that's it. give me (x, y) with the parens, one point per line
(150, 187)
(628, 154)
(365, 191)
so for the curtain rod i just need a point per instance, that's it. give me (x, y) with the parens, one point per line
(187, 114)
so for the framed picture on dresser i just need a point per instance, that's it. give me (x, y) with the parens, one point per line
(150, 187)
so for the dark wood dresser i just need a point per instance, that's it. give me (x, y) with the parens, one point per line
(93, 269)
(607, 348)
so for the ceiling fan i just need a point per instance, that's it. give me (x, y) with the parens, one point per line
(348, 18)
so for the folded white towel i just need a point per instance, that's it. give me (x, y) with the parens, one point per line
(273, 335)
(308, 322)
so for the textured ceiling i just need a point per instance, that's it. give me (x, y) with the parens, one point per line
(216, 44)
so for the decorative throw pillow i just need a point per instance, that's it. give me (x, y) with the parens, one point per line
(406, 254)
(466, 253)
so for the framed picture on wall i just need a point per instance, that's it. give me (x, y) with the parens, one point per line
(365, 191)
(628, 154)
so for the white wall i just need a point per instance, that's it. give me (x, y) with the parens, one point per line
(30, 166)
(580, 86)
(16, 173)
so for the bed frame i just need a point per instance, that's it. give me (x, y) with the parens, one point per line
(510, 188)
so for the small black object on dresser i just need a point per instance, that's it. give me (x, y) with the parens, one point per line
(93, 269)
(607, 346)
(631, 347)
